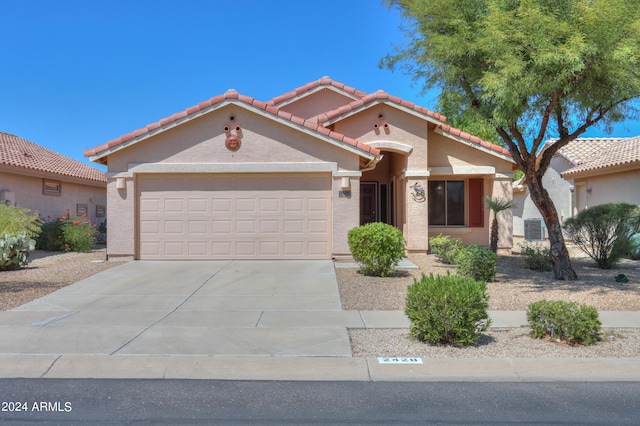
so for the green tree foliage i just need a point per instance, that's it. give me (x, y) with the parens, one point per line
(533, 70)
(605, 232)
(451, 104)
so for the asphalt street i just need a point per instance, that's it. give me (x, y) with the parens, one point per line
(62, 401)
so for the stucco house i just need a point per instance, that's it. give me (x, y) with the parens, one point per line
(584, 173)
(238, 178)
(41, 180)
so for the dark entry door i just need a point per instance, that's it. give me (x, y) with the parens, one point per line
(368, 202)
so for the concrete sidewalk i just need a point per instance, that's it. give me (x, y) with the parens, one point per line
(232, 320)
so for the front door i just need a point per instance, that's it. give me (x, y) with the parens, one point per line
(368, 202)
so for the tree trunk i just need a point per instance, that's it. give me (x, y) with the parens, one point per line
(560, 260)
(494, 235)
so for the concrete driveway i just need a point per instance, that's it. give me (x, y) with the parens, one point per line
(257, 308)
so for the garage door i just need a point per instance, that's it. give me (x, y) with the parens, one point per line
(233, 216)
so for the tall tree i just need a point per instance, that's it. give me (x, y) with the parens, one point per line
(534, 70)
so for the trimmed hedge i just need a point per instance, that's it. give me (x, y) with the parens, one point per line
(565, 321)
(447, 309)
(377, 247)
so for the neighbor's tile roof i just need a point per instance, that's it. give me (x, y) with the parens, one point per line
(614, 152)
(18, 152)
(234, 96)
(582, 149)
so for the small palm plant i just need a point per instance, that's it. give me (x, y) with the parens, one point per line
(496, 206)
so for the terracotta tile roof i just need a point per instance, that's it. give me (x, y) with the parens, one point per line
(316, 124)
(18, 152)
(309, 87)
(582, 149)
(474, 139)
(232, 96)
(374, 97)
(613, 152)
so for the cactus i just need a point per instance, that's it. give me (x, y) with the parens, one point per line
(14, 250)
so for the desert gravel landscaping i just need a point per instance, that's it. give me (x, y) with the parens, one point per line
(48, 272)
(514, 289)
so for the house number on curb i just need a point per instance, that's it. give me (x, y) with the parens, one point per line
(385, 360)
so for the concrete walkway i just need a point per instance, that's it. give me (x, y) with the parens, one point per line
(240, 320)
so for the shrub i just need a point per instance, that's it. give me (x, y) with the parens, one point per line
(69, 233)
(14, 250)
(605, 232)
(477, 262)
(536, 257)
(14, 220)
(445, 248)
(378, 248)
(447, 309)
(565, 321)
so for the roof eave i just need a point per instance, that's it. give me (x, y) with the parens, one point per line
(376, 103)
(474, 145)
(101, 156)
(604, 170)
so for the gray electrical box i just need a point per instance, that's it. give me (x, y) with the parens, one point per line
(534, 230)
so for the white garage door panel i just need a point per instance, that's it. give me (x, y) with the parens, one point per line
(235, 217)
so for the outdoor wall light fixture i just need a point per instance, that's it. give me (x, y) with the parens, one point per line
(418, 192)
(589, 189)
(345, 183)
(121, 183)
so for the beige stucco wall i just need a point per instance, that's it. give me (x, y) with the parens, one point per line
(201, 142)
(617, 187)
(427, 149)
(317, 103)
(28, 194)
(448, 153)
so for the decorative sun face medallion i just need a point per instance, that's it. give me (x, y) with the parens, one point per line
(232, 143)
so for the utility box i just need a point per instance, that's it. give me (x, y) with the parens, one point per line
(534, 230)
(8, 198)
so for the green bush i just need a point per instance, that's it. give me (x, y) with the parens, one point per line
(14, 220)
(14, 250)
(536, 257)
(68, 233)
(605, 232)
(565, 321)
(445, 248)
(477, 262)
(377, 247)
(447, 309)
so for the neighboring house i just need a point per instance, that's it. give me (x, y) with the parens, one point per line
(236, 178)
(49, 183)
(586, 172)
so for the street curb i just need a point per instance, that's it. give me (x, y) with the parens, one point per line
(318, 368)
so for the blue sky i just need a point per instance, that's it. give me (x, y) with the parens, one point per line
(76, 74)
